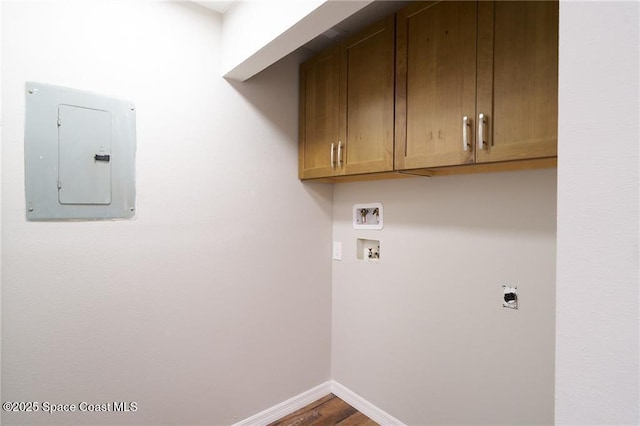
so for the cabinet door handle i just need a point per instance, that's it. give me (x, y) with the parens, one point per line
(482, 120)
(340, 154)
(333, 163)
(465, 133)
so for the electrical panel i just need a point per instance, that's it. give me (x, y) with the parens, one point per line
(79, 155)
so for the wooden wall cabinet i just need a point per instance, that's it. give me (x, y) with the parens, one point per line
(320, 120)
(443, 87)
(476, 82)
(347, 106)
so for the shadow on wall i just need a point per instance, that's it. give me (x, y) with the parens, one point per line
(264, 93)
(524, 201)
(266, 90)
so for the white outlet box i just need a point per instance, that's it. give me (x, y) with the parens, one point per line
(368, 216)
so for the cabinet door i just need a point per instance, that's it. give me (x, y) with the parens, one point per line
(368, 71)
(436, 83)
(518, 79)
(319, 115)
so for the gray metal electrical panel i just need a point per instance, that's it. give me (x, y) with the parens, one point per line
(79, 155)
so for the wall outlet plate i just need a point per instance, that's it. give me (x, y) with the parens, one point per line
(337, 250)
(368, 216)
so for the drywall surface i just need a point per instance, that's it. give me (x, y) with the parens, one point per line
(211, 305)
(1, 126)
(597, 360)
(422, 334)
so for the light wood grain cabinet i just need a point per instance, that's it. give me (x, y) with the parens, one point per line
(320, 119)
(476, 82)
(347, 106)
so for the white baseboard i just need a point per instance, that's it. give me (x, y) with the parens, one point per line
(287, 407)
(365, 407)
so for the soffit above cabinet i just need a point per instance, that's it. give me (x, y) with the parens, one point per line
(279, 29)
(355, 23)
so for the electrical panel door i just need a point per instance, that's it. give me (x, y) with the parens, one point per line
(79, 155)
(84, 159)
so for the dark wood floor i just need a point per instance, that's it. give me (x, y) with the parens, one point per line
(326, 411)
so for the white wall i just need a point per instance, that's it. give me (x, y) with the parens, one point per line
(597, 377)
(1, 132)
(211, 305)
(423, 334)
(180, 308)
(597, 360)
